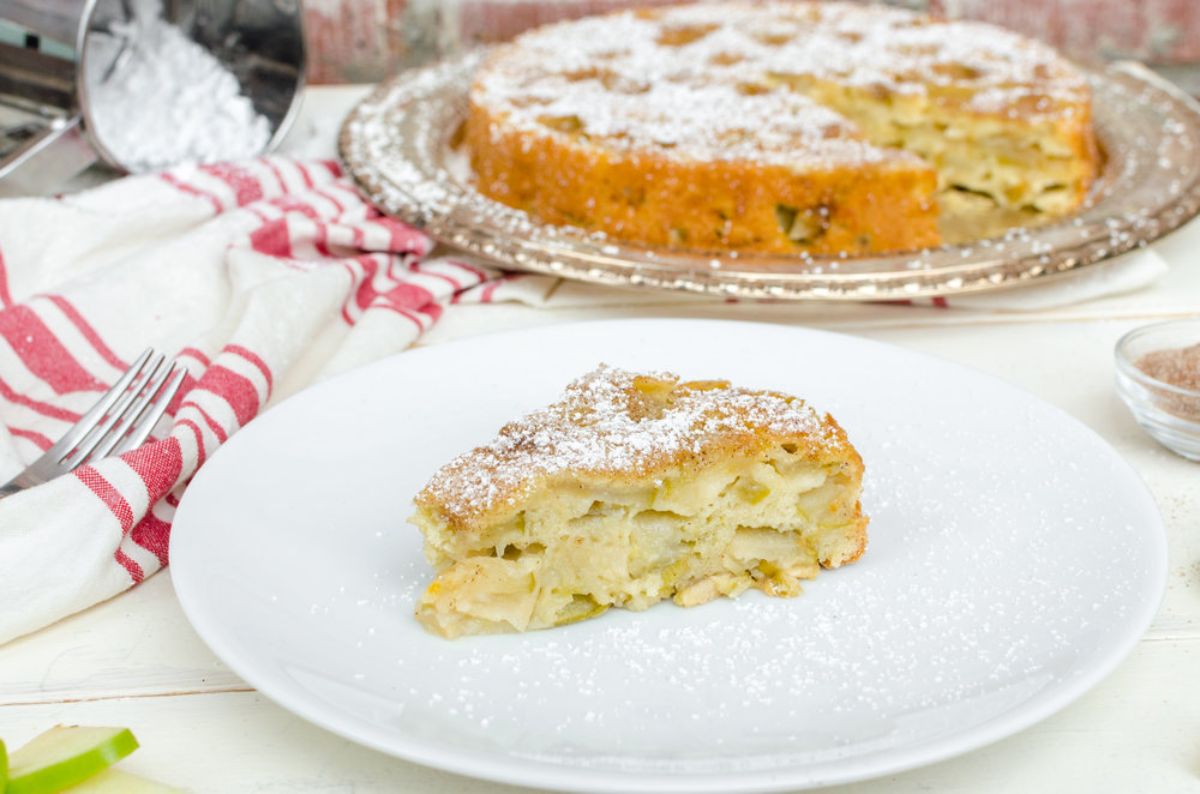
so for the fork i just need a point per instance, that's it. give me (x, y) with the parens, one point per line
(120, 421)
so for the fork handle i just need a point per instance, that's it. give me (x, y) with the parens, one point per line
(17, 484)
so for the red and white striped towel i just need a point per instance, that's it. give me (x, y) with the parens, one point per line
(260, 277)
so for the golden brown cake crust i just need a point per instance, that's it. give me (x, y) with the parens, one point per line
(620, 427)
(631, 489)
(710, 126)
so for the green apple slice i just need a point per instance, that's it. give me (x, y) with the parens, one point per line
(3, 766)
(114, 781)
(64, 756)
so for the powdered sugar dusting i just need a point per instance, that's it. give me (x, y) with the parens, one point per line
(992, 580)
(708, 81)
(158, 98)
(1014, 558)
(973, 602)
(602, 426)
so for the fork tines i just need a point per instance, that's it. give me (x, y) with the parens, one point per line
(124, 418)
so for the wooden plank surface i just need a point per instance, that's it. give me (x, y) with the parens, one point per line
(135, 661)
(1134, 733)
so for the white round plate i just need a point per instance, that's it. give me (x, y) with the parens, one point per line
(1014, 560)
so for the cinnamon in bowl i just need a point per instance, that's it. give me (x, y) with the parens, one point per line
(1179, 367)
(1158, 377)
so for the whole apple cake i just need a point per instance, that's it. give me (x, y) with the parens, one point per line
(782, 127)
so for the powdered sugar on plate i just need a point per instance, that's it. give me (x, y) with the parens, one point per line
(1014, 559)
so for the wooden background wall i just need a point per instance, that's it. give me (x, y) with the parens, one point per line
(365, 40)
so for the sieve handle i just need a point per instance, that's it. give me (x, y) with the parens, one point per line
(44, 162)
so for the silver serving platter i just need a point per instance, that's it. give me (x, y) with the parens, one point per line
(399, 145)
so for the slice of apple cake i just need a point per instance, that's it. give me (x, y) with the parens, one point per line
(633, 488)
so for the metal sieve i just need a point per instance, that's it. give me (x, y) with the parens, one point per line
(53, 50)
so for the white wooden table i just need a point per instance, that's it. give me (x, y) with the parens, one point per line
(135, 661)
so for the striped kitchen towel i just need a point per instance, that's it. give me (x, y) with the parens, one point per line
(261, 278)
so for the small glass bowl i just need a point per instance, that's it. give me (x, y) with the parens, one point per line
(1170, 414)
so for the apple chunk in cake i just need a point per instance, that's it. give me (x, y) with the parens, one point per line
(633, 488)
